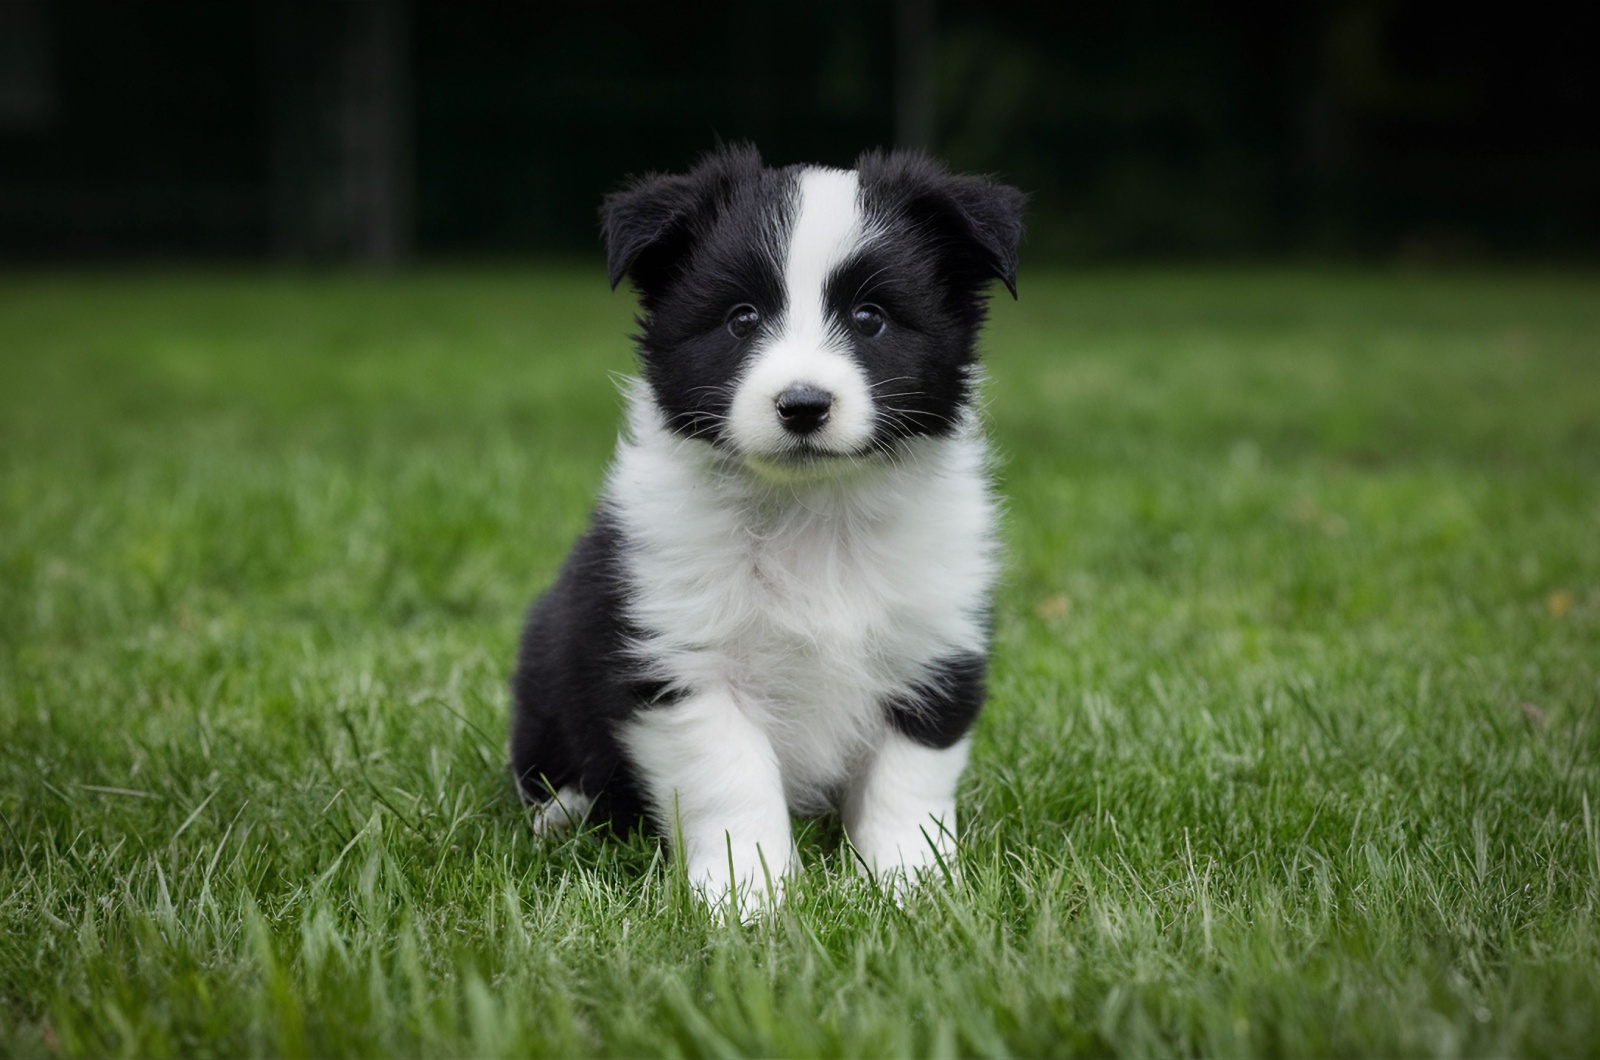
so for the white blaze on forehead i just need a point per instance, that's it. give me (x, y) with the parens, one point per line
(805, 348)
(827, 228)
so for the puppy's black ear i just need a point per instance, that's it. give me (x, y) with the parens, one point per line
(650, 225)
(976, 222)
(649, 213)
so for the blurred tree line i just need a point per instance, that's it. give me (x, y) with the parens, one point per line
(374, 130)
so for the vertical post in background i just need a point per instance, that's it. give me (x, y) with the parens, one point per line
(377, 121)
(27, 76)
(339, 91)
(915, 95)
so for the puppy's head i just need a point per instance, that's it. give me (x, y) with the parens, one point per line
(800, 314)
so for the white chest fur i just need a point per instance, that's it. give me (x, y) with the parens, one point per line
(808, 602)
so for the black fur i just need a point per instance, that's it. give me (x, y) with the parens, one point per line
(940, 710)
(573, 685)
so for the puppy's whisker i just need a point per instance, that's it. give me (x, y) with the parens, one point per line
(862, 286)
(891, 379)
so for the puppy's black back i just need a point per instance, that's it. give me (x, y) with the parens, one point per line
(571, 687)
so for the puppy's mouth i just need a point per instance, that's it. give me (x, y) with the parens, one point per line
(798, 452)
(805, 460)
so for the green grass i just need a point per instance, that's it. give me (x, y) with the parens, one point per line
(1293, 745)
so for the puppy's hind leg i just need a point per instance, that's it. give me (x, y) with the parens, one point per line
(558, 812)
(713, 784)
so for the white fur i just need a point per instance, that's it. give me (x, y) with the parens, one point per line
(787, 611)
(900, 811)
(715, 769)
(805, 347)
(561, 812)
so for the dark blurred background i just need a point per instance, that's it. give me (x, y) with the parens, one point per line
(381, 131)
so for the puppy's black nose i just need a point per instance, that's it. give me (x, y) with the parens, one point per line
(803, 409)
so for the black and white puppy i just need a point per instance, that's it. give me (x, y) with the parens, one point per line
(781, 604)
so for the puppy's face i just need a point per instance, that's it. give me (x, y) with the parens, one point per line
(796, 315)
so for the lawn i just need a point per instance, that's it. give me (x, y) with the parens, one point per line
(1292, 748)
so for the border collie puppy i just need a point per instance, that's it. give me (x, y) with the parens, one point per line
(781, 603)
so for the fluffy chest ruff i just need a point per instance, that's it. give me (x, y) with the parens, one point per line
(781, 602)
(814, 601)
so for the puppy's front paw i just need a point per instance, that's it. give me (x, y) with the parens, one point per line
(743, 883)
(901, 858)
(901, 814)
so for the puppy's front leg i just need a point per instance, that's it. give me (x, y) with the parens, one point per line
(712, 780)
(900, 814)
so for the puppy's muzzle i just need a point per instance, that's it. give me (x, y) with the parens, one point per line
(803, 409)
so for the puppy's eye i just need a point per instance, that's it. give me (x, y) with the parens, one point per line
(742, 320)
(867, 320)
